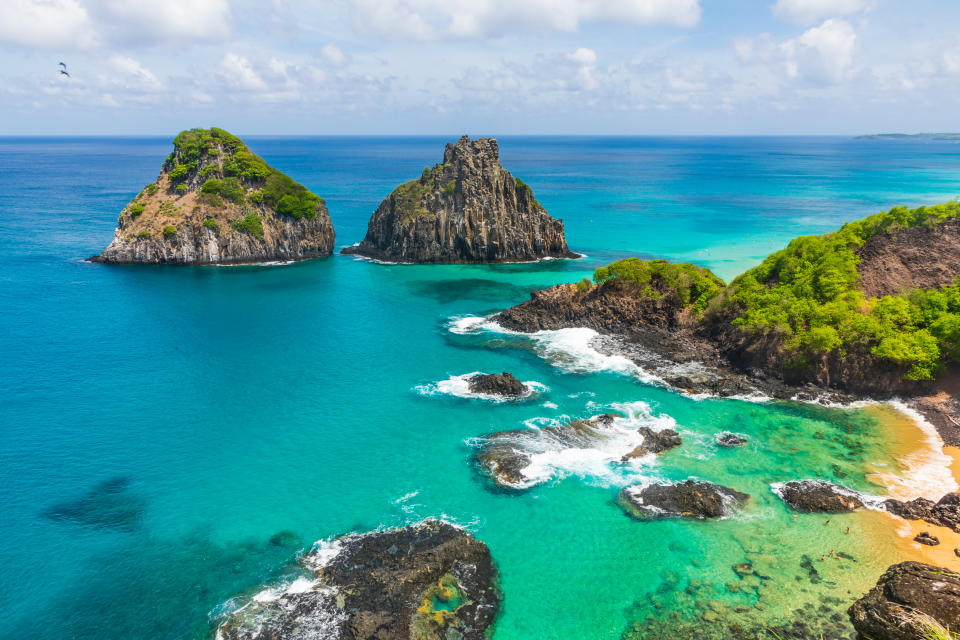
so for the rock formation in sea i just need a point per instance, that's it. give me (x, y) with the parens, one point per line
(910, 601)
(944, 513)
(467, 209)
(428, 581)
(654, 442)
(816, 496)
(216, 202)
(690, 499)
(497, 384)
(730, 440)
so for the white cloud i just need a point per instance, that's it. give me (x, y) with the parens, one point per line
(810, 11)
(240, 74)
(133, 74)
(433, 19)
(823, 53)
(170, 20)
(334, 55)
(47, 24)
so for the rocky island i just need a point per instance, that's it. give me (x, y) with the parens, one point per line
(428, 581)
(467, 209)
(216, 202)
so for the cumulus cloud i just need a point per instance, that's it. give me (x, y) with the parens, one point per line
(334, 55)
(810, 11)
(46, 24)
(823, 53)
(434, 19)
(240, 74)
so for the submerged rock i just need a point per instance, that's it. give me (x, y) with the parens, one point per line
(816, 496)
(429, 581)
(468, 209)
(909, 599)
(654, 442)
(730, 440)
(688, 499)
(506, 455)
(215, 202)
(498, 384)
(943, 513)
(109, 505)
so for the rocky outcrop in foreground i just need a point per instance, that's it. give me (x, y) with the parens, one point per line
(497, 384)
(430, 581)
(468, 209)
(688, 499)
(943, 513)
(216, 202)
(816, 496)
(910, 601)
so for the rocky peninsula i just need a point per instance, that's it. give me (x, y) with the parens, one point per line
(216, 202)
(428, 581)
(467, 209)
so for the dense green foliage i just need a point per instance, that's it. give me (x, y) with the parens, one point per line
(251, 223)
(152, 188)
(690, 284)
(143, 234)
(210, 223)
(169, 231)
(228, 167)
(808, 295)
(136, 209)
(450, 188)
(407, 200)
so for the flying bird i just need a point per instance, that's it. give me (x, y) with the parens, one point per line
(64, 73)
(63, 70)
(63, 65)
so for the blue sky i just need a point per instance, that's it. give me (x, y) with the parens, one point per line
(642, 67)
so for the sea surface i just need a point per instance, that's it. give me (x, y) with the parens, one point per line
(171, 437)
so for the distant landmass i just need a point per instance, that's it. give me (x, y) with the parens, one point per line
(910, 136)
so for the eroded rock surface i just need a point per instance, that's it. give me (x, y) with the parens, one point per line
(690, 499)
(908, 598)
(654, 442)
(468, 209)
(816, 496)
(429, 581)
(943, 513)
(498, 384)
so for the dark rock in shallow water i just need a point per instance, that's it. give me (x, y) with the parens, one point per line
(497, 384)
(730, 440)
(109, 505)
(654, 442)
(429, 581)
(943, 513)
(688, 499)
(816, 496)
(906, 599)
(927, 539)
(468, 209)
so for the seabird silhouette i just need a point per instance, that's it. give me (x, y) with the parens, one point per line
(64, 73)
(63, 65)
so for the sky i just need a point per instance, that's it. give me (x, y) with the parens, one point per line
(407, 67)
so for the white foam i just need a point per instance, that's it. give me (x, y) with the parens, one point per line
(924, 473)
(459, 386)
(550, 405)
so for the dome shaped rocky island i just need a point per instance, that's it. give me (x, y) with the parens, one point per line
(216, 202)
(467, 209)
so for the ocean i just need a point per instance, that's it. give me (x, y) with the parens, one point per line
(172, 437)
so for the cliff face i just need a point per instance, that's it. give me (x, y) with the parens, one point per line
(215, 202)
(468, 209)
(914, 258)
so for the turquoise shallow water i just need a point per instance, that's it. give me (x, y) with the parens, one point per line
(223, 406)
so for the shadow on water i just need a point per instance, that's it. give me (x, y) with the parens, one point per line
(163, 589)
(471, 289)
(109, 505)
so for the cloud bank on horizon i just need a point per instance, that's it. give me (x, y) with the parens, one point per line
(501, 66)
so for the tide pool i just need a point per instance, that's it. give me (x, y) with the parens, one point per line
(171, 437)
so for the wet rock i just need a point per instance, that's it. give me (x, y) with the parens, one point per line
(925, 538)
(497, 384)
(430, 581)
(654, 442)
(943, 513)
(468, 209)
(690, 499)
(908, 597)
(816, 496)
(730, 440)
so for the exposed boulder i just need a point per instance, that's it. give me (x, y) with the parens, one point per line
(654, 442)
(429, 581)
(730, 440)
(216, 202)
(688, 499)
(816, 496)
(498, 384)
(468, 209)
(924, 537)
(943, 513)
(908, 601)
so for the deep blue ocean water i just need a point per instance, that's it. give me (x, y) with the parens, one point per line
(158, 425)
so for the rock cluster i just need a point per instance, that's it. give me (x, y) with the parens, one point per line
(429, 581)
(690, 499)
(944, 513)
(468, 209)
(910, 600)
(816, 496)
(215, 202)
(654, 442)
